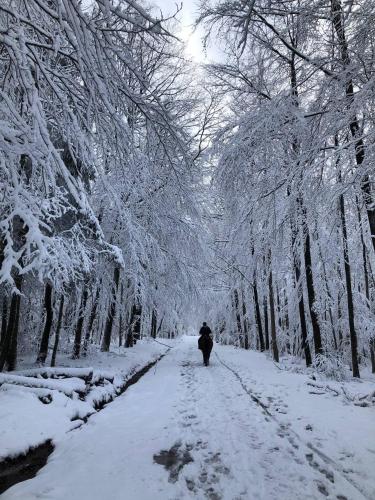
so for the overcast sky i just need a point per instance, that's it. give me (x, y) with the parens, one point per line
(187, 17)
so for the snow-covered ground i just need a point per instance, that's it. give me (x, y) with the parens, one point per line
(187, 431)
(26, 422)
(329, 423)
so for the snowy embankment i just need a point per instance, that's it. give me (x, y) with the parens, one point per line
(41, 404)
(329, 417)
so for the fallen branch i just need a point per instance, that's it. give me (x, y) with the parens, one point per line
(60, 372)
(67, 386)
(356, 399)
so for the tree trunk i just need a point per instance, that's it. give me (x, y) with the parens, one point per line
(130, 335)
(43, 349)
(245, 324)
(372, 353)
(91, 322)
(354, 126)
(120, 321)
(348, 280)
(278, 308)
(339, 313)
(238, 314)
(266, 330)
(129, 341)
(364, 254)
(258, 318)
(286, 308)
(154, 322)
(160, 325)
(330, 297)
(367, 283)
(311, 291)
(79, 326)
(4, 318)
(58, 328)
(11, 360)
(301, 311)
(137, 323)
(8, 350)
(307, 252)
(299, 290)
(111, 311)
(8, 346)
(275, 349)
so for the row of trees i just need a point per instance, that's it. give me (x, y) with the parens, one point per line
(294, 230)
(98, 218)
(102, 131)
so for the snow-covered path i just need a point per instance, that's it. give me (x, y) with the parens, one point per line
(184, 431)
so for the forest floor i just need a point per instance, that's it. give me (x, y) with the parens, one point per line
(241, 428)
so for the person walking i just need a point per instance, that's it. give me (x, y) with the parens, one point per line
(205, 343)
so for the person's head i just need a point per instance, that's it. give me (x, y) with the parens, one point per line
(204, 323)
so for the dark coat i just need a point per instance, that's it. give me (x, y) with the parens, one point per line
(205, 330)
(205, 341)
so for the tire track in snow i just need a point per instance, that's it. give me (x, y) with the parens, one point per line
(325, 458)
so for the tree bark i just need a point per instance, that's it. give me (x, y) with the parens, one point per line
(111, 311)
(354, 126)
(154, 322)
(91, 322)
(372, 354)
(295, 232)
(311, 290)
(9, 342)
(57, 333)
(11, 360)
(43, 348)
(129, 341)
(4, 319)
(364, 254)
(301, 311)
(160, 325)
(132, 326)
(278, 308)
(329, 296)
(367, 283)
(348, 280)
(305, 342)
(258, 318)
(245, 325)
(238, 314)
(274, 346)
(301, 304)
(121, 317)
(266, 330)
(137, 323)
(79, 326)
(8, 350)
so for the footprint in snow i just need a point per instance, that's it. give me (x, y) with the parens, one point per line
(174, 460)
